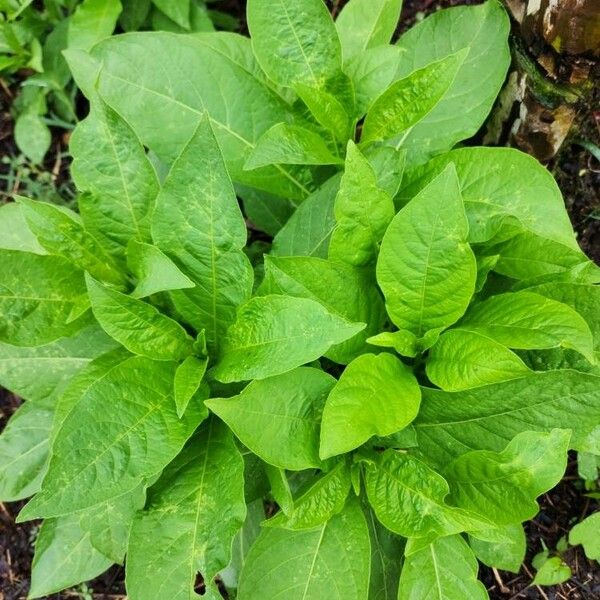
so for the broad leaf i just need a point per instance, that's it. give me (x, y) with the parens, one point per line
(586, 534)
(279, 418)
(192, 515)
(426, 269)
(376, 395)
(198, 223)
(329, 561)
(507, 555)
(15, 233)
(362, 212)
(275, 334)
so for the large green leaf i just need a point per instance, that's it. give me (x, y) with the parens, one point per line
(444, 570)
(24, 451)
(274, 334)
(409, 100)
(526, 321)
(503, 485)
(499, 186)
(341, 288)
(426, 269)
(101, 454)
(295, 42)
(137, 325)
(64, 556)
(192, 515)
(110, 163)
(37, 296)
(212, 72)
(376, 395)
(198, 223)
(364, 24)
(483, 32)
(329, 561)
(487, 418)
(362, 212)
(278, 418)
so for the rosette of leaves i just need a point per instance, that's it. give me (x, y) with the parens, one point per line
(399, 370)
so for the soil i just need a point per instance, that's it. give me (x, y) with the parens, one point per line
(578, 175)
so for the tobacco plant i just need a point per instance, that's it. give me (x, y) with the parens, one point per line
(359, 403)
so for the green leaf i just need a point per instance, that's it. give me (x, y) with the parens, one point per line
(362, 211)
(61, 233)
(134, 14)
(32, 136)
(408, 498)
(503, 485)
(463, 359)
(110, 163)
(487, 418)
(526, 321)
(312, 563)
(319, 503)
(279, 418)
(409, 100)
(92, 440)
(193, 513)
(552, 572)
(294, 42)
(230, 90)
(275, 334)
(188, 378)
(340, 288)
(327, 110)
(92, 21)
(586, 534)
(14, 230)
(376, 395)
(280, 488)
(290, 145)
(198, 223)
(138, 326)
(154, 270)
(265, 211)
(24, 451)
(364, 24)
(506, 555)
(403, 342)
(500, 186)
(482, 31)
(446, 568)
(388, 164)
(308, 230)
(63, 557)
(426, 269)
(37, 295)
(177, 10)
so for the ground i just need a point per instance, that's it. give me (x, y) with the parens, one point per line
(578, 175)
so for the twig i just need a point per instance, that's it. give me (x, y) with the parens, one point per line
(503, 588)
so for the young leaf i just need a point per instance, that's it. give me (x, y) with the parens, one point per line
(15, 233)
(364, 24)
(362, 211)
(154, 270)
(586, 534)
(327, 110)
(275, 334)
(278, 418)
(552, 572)
(309, 564)
(62, 542)
(339, 287)
(525, 320)
(37, 295)
(138, 326)
(388, 164)
(376, 395)
(403, 342)
(290, 145)
(426, 269)
(294, 42)
(503, 485)
(483, 32)
(198, 223)
(192, 515)
(280, 488)
(487, 418)
(319, 503)
(506, 555)
(92, 440)
(61, 233)
(92, 21)
(447, 566)
(409, 100)
(188, 378)
(463, 359)
(178, 11)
